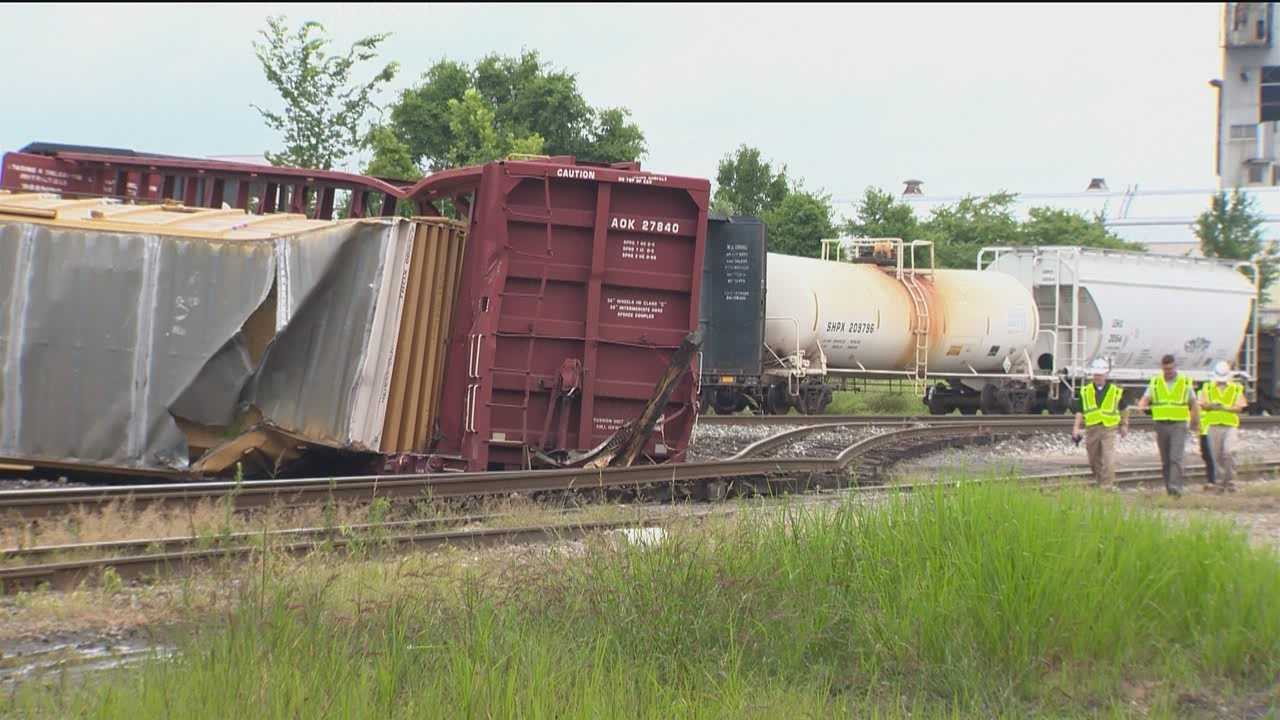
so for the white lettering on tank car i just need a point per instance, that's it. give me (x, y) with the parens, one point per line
(576, 173)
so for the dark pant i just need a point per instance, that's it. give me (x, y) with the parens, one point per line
(1206, 454)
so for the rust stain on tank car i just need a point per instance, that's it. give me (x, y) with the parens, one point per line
(936, 319)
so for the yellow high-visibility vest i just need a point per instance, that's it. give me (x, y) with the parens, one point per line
(1108, 414)
(1211, 393)
(1203, 397)
(1169, 404)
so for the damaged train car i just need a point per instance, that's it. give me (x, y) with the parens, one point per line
(553, 325)
(161, 339)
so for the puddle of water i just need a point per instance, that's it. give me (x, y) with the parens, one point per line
(74, 660)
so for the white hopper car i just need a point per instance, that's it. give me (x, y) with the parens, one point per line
(1015, 335)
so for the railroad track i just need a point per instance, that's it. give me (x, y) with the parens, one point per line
(39, 503)
(867, 456)
(748, 420)
(158, 556)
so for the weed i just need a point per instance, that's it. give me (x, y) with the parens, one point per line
(986, 601)
(111, 582)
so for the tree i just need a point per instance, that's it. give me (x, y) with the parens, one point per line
(391, 157)
(747, 185)
(881, 215)
(478, 138)
(1232, 228)
(324, 109)
(1056, 226)
(798, 223)
(521, 98)
(614, 138)
(958, 231)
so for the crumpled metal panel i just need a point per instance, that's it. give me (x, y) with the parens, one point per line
(326, 375)
(106, 337)
(102, 332)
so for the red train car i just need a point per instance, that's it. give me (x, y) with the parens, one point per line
(578, 284)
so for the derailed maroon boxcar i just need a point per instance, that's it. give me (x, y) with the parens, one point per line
(579, 283)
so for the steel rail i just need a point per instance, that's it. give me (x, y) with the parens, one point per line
(38, 503)
(733, 420)
(70, 574)
(1004, 424)
(181, 542)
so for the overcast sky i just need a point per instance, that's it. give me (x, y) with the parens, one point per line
(968, 98)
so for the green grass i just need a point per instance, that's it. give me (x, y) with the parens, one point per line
(988, 601)
(877, 401)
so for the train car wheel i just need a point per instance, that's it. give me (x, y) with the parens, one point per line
(775, 400)
(938, 404)
(990, 400)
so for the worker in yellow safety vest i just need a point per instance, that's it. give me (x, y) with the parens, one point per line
(1173, 405)
(1100, 409)
(1222, 402)
(1206, 453)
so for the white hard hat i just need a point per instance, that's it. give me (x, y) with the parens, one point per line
(1221, 370)
(1100, 367)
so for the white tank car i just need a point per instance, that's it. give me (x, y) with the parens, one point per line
(861, 318)
(1131, 308)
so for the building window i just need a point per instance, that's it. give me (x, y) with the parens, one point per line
(1255, 173)
(1244, 132)
(1269, 98)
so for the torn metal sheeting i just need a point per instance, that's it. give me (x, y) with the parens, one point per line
(122, 325)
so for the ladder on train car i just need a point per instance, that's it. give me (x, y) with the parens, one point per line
(921, 327)
(1249, 352)
(909, 274)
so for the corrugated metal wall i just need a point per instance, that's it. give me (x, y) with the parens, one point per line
(414, 402)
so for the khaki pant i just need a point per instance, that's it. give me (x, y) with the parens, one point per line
(1171, 441)
(1100, 443)
(1222, 440)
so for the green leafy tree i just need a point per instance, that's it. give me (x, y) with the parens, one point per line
(881, 215)
(521, 98)
(478, 138)
(324, 107)
(1232, 228)
(748, 185)
(798, 223)
(391, 157)
(958, 231)
(613, 138)
(1056, 226)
